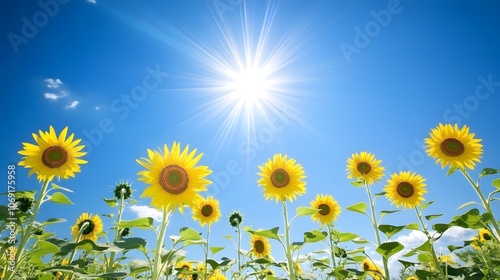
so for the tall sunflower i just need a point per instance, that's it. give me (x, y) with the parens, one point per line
(452, 146)
(328, 208)
(184, 266)
(405, 189)
(173, 178)
(93, 228)
(260, 246)
(364, 166)
(282, 178)
(206, 211)
(373, 270)
(53, 156)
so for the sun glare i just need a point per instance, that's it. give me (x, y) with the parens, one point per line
(249, 86)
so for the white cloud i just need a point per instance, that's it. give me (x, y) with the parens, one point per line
(91, 1)
(146, 211)
(51, 96)
(53, 83)
(97, 108)
(72, 105)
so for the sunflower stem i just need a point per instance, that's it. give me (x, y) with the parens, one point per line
(485, 202)
(239, 250)
(206, 253)
(159, 245)
(429, 238)
(73, 253)
(330, 234)
(25, 237)
(375, 227)
(288, 252)
(117, 232)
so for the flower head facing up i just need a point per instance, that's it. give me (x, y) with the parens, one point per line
(93, 226)
(173, 178)
(53, 156)
(405, 189)
(282, 178)
(364, 166)
(235, 219)
(124, 188)
(260, 246)
(328, 208)
(206, 211)
(453, 146)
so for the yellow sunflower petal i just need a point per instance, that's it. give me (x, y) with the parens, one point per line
(260, 246)
(328, 208)
(405, 189)
(206, 211)
(93, 228)
(364, 166)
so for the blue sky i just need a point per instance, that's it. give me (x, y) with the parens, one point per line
(345, 77)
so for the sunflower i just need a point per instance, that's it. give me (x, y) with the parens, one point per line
(475, 243)
(373, 270)
(184, 266)
(124, 187)
(456, 147)
(447, 259)
(260, 246)
(282, 178)
(173, 178)
(485, 235)
(53, 156)
(405, 189)
(365, 167)
(93, 228)
(217, 276)
(412, 278)
(328, 208)
(235, 219)
(206, 211)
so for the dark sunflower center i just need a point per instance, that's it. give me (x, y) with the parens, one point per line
(259, 246)
(324, 209)
(405, 189)
(366, 267)
(54, 157)
(280, 178)
(174, 179)
(364, 167)
(90, 227)
(207, 210)
(185, 267)
(452, 147)
(486, 236)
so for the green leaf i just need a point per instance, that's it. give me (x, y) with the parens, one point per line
(390, 230)
(425, 257)
(111, 201)
(131, 243)
(213, 264)
(380, 194)
(306, 211)
(357, 184)
(471, 219)
(346, 236)
(314, 236)
(425, 205)
(44, 248)
(467, 204)
(489, 171)
(383, 213)
(142, 223)
(453, 248)
(52, 221)
(138, 266)
(440, 228)
(189, 234)
(413, 226)
(113, 275)
(216, 249)
(407, 264)
(57, 187)
(60, 198)
(358, 207)
(389, 248)
(360, 240)
(27, 194)
(88, 245)
(228, 237)
(451, 171)
(432, 217)
(496, 183)
(269, 233)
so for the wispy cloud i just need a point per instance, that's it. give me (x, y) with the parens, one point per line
(53, 83)
(72, 105)
(91, 1)
(146, 211)
(51, 96)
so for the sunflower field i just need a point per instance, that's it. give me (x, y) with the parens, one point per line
(175, 184)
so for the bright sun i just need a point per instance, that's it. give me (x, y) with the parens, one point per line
(249, 86)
